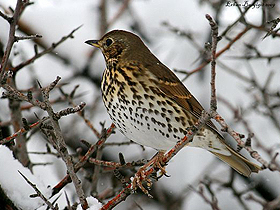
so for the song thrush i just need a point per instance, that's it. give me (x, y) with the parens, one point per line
(150, 105)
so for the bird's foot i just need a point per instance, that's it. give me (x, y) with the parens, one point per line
(158, 163)
(142, 174)
(138, 180)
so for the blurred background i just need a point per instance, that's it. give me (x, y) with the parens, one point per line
(177, 32)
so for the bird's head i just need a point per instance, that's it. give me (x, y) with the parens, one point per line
(119, 44)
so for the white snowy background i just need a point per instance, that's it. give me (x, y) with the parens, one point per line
(55, 18)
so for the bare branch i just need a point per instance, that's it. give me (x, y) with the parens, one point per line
(61, 145)
(274, 24)
(84, 159)
(38, 55)
(214, 29)
(38, 193)
(235, 39)
(213, 202)
(22, 131)
(6, 17)
(36, 36)
(68, 111)
(13, 23)
(120, 12)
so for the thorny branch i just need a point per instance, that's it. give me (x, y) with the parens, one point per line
(22, 131)
(214, 29)
(60, 142)
(50, 49)
(213, 202)
(12, 92)
(38, 193)
(84, 159)
(21, 4)
(219, 53)
(57, 138)
(271, 205)
(70, 98)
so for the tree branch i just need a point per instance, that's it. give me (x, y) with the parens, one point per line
(21, 4)
(38, 55)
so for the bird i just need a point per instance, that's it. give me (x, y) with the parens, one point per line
(150, 105)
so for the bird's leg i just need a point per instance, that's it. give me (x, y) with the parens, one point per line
(157, 163)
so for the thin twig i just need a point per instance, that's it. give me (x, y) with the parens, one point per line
(120, 12)
(13, 23)
(83, 160)
(36, 36)
(38, 55)
(6, 17)
(61, 145)
(213, 203)
(113, 165)
(219, 53)
(23, 131)
(38, 192)
(214, 29)
(70, 97)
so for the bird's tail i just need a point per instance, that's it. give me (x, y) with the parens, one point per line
(238, 162)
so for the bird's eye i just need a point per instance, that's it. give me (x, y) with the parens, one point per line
(108, 42)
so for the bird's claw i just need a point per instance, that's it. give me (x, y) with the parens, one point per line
(141, 176)
(138, 180)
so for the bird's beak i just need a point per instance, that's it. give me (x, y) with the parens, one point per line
(93, 43)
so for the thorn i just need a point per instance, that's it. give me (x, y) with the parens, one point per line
(121, 158)
(39, 84)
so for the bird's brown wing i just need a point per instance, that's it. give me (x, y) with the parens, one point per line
(170, 85)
